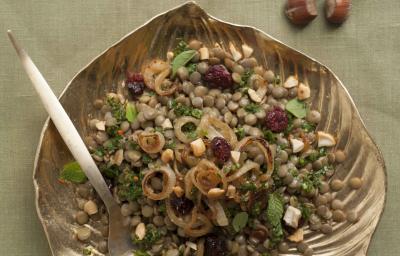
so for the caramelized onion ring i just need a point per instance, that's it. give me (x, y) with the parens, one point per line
(158, 84)
(152, 70)
(249, 165)
(263, 146)
(179, 123)
(169, 181)
(206, 175)
(151, 142)
(219, 213)
(199, 225)
(216, 128)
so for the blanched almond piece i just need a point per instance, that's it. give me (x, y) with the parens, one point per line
(178, 191)
(101, 125)
(140, 231)
(215, 193)
(325, 140)
(247, 50)
(167, 155)
(235, 155)
(297, 236)
(191, 245)
(204, 53)
(303, 92)
(297, 145)
(167, 124)
(262, 91)
(198, 147)
(291, 82)
(292, 216)
(254, 96)
(231, 191)
(235, 53)
(118, 157)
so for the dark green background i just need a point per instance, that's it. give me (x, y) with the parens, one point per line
(63, 36)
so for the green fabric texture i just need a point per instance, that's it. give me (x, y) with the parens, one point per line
(63, 36)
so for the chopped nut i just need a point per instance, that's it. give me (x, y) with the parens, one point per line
(247, 50)
(198, 147)
(254, 96)
(118, 157)
(292, 216)
(167, 155)
(303, 92)
(191, 245)
(215, 193)
(235, 155)
(291, 82)
(204, 53)
(297, 145)
(167, 124)
(262, 91)
(231, 191)
(140, 231)
(297, 236)
(235, 53)
(179, 192)
(325, 140)
(101, 125)
(170, 56)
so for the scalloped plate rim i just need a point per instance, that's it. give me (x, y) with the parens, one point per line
(47, 122)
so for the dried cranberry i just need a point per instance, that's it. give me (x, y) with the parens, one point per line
(215, 246)
(276, 120)
(218, 76)
(181, 205)
(221, 149)
(135, 84)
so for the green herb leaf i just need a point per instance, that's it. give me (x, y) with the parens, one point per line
(181, 60)
(248, 186)
(240, 133)
(130, 113)
(275, 209)
(191, 68)
(72, 172)
(252, 108)
(87, 251)
(297, 108)
(240, 221)
(152, 235)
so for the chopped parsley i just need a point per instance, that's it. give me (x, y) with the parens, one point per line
(252, 108)
(248, 186)
(307, 127)
(110, 172)
(152, 236)
(192, 67)
(117, 109)
(181, 47)
(312, 180)
(130, 186)
(146, 159)
(240, 133)
(306, 211)
(269, 136)
(245, 79)
(182, 110)
(171, 144)
(189, 129)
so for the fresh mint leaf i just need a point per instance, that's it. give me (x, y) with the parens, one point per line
(181, 60)
(73, 172)
(130, 113)
(240, 221)
(274, 216)
(297, 108)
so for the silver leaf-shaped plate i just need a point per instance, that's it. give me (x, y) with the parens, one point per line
(56, 202)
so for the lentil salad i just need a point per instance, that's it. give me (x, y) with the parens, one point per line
(210, 153)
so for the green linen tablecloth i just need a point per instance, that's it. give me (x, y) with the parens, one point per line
(63, 36)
